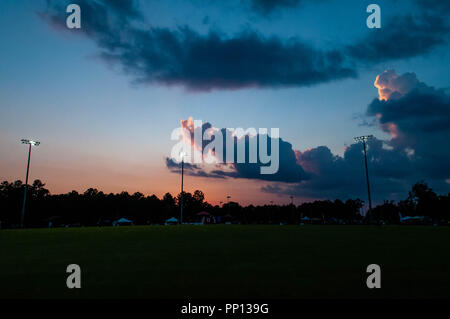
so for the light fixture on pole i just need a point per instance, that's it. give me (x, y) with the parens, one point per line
(182, 155)
(364, 140)
(30, 143)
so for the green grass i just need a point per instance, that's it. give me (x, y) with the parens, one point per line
(226, 261)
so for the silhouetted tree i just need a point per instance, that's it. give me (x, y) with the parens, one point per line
(93, 207)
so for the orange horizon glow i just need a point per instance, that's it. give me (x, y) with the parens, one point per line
(148, 181)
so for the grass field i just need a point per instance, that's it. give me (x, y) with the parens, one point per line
(226, 261)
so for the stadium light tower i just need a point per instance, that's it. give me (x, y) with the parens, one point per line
(182, 155)
(364, 140)
(30, 143)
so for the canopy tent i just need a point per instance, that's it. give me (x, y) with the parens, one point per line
(123, 221)
(171, 221)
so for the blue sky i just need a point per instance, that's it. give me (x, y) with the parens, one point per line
(100, 129)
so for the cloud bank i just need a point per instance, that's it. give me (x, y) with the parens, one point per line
(200, 62)
(405, 36)
(415, 115)
(289, 171)
(215, 61)
(268, 6)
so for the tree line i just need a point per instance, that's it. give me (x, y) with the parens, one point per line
(93, 207)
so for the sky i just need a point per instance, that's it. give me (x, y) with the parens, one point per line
(104, 99)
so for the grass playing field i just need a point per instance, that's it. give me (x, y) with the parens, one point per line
(226, 261)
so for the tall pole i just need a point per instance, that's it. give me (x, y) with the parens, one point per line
(181, 199)
(367, 178)
(364, 139)
(30, 144)
(22, 217)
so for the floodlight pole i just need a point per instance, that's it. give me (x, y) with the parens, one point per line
(364, 139)
(30, 143)
(367, 177)
(181, 199)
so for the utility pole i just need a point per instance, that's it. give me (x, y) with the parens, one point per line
(364, 140)
(30, 143)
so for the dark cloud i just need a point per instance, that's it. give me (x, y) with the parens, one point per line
(209, 61)
(173, 165)
(268, 6)
(333, 176)
(434, 6)
(405, 36)
(193, 170)
(289, 171)
(201, 62)
(419, 122)
(416, 116)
